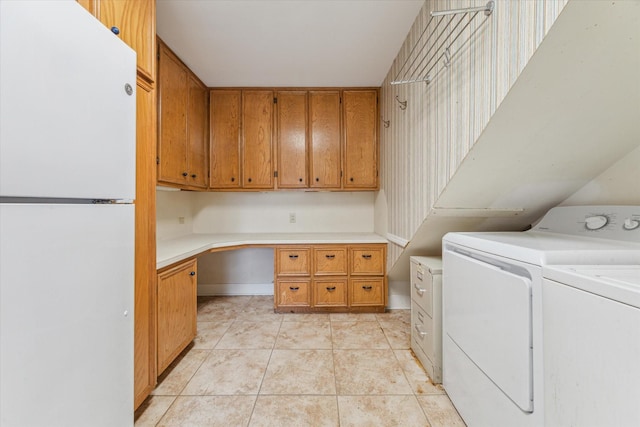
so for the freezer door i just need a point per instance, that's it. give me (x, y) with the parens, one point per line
(68, 123)
(66, 315)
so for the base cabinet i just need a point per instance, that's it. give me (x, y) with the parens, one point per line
(177, 307)
(330, 278)
(426, 314)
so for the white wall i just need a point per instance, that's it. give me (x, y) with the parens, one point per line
(170, 207)
(618, 185)
(269, 212)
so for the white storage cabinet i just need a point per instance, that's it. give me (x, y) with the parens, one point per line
(426, 314)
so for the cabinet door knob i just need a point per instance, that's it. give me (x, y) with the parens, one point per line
(184, 174)
(293, 256)
(300, 180)
(115, 30)
(193, 176)
(330, 256)
(294, 288)
(366, 256)
(249, 180)
(233, 179)
(331, 288)
(367, 288)
(192, 273)
(351, 179)
(317, 179)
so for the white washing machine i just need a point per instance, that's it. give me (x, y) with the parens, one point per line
(591, 345)
(493, 306)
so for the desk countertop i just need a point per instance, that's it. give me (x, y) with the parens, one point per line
(170, 251)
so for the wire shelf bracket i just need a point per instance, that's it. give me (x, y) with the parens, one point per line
(420, 64)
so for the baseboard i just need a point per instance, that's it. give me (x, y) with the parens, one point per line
(235, 289)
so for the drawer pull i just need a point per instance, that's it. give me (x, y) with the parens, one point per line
(419, 275)
(421, 333)
(366, 256)
(367, 288)
(331, 288)
(192, 273)
(294, 288)
(293, 256)
(330, 256)
(421, 317)
(419, 289)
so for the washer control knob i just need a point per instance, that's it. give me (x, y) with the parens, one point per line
(596, 222)
(630, 224)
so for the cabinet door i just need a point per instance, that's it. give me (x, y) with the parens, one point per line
(177, 305)
(324, 139)
(145, 247)
(257, 146)
(135, 23)
(172, 140)
(292, 139)
(225, 138)
(361, 139)
(197, 128)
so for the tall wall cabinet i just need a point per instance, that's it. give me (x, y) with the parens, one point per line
(134, 21)
(183, 123)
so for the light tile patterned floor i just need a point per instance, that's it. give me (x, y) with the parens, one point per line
(251, 367)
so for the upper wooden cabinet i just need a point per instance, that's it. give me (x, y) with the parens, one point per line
(360, 111)
(257, 139)
(324, 139)
(292, 139)
(183, 124)
(225, 138)
(134, 21)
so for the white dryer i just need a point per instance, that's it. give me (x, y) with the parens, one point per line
(493, 306)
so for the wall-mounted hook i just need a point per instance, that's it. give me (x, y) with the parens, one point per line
(403, 104)
(385, 123)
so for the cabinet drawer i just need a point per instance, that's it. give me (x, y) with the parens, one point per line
(422, 289)
(367, 291)
(292, 262)
(422, 329)
(330, 293)
(330, 261)
(293, 292)
(367, 260)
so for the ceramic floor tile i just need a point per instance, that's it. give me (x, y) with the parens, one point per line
(397, 332)
(151, 410)
(416, 375)
(253, 314)
(400, 315)
(300, 372)
(367, 411)
(306, 317)
(304, 335)
(209, 333)
(358, 335)
(227, 372)
(178, 374)
(353, 317)
(222, 308)
(360, 372)
(440, 411)
(243, 334)
(209, 411)
(295, 411)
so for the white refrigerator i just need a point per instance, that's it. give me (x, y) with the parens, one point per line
(67, 190)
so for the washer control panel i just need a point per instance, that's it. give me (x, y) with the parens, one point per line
(607, 222)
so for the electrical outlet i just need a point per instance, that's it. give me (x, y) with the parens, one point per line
(180, 220)
(292, 218)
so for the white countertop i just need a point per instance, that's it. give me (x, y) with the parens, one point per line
(170, 251)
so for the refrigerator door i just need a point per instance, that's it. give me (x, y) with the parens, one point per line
(66, 315)
(68, 123)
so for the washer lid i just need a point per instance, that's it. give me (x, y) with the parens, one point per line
(617, 282)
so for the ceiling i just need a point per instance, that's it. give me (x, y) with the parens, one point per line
(287, 42)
